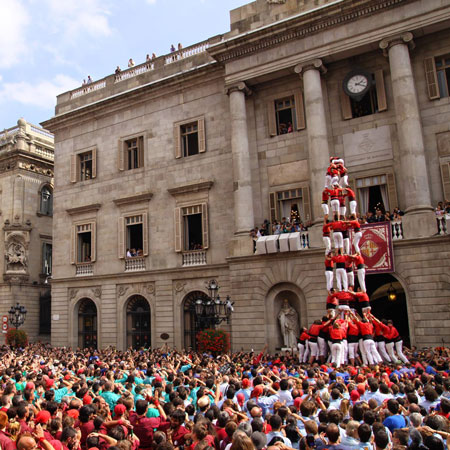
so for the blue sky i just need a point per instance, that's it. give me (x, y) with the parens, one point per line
(49, 46)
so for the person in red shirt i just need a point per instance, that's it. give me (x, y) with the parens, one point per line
(350, 273)
(350, 194)
(358, 260)
(357, 234)
(332, 303)
(326, 236)
(342, 171)
(363, 300)
(336, 337)
(353, 340)
(143, 427)
(393, 338)
(302, 345)
(175, 431)
(342, 207)
(334, 193)
(381, 330)
(313, 332)
(329, 275)
(325, 198)
(341, 274)
(366, 330)
(332, 174)
(338, 227)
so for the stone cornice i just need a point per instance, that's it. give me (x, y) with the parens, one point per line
(241, 86)
(403, 38)
(315, 64)
(138, 198)
(191, 187)
(311, 22)
(83, 209)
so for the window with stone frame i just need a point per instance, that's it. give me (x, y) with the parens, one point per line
(191, 228)
(445, 174)
(131, 152)
(46, 201)
(133, 235)
(437, 73)
(372, 102)
(83, 243)
(83, 165)
(46, 258)
(290, 204)
(189, 137)
(286, 114)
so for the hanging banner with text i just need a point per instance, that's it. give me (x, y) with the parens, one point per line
(376, 247)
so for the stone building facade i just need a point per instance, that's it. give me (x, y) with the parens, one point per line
(26, 186)
(181, 156)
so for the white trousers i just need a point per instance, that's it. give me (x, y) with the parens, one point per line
(344, 181)
(325, 209)
(327, 181)
(341, 279)
(346, 245)
(362, 279)
(335, 205)
(338, 239)
(356, 239)
(381, 347)
(329, 277)
(327, 243)
(342, 210)
(399, 350)
(352, 350)
(373, 357)
(362, 350)
(352, 205)
(306, 354)
(350, 278)
(336, 353)
(314, 349)
(322, 346)
(344, 352)
(301, 352)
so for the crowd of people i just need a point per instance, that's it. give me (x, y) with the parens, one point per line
(59, 399)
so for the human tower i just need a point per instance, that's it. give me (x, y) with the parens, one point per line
(349, 333)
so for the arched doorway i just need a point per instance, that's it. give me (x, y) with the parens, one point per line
(138, 323)
(191, 326)
(383, 307)
(87, 324)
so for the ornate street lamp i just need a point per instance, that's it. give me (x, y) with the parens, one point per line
(211, 310)
(17, 315)
(391, 294)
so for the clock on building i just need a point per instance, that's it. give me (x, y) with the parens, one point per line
(357, 83)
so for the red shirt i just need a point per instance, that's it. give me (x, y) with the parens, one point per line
(344, 297)
(336, 334)
(338, 226)
(314, 330)
(355, 225)
(350, 194)
(341, 198)
(325, 196)
(365, 328)
(143, 428)
(340, 261)
(334, 193)
(332, 170)
(358, 259)
(353, 329)
(332, 299)
(381, 329)
(326, 229)
(392, 332)
(329, 263)
(304, 336)
(361, 296)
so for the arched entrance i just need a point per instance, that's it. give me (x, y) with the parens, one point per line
(191, 326)
(384, 307)
(87, 324)
(138, 322)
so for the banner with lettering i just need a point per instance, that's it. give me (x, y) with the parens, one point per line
(376, 247)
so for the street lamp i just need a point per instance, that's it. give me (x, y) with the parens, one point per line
(391, 293)
(17, 315)
(210, 310)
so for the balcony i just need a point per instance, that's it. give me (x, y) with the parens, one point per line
(286, 242)
(135, 264)
(84, 269)
(194, 258)
(442, 224)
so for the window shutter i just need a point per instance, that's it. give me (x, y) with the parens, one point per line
(121, 156)
(93, 242)
(177, 140)
(306, 204)
(392, 191)
(445, 173)
(201, 136)
(121, 237)
(299, 110)
(177, 226)
(141, 152)
(73, 244)
(273, 207)
(205, 225)
(94, 162)
(145, 233)
(381, 91)
(346, 106)
(271, 122)
(431, 78)
(73, 168)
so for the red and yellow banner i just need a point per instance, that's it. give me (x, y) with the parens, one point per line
(376, 247)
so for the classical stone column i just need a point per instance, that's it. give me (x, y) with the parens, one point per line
(242, 181)
(318, 149)
(419, 218)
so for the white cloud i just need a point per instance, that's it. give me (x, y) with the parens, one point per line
(151, 2)
(41, 94)
(14, 20)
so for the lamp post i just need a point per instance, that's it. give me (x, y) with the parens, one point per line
(391, 294)
(17, 315)
(210, 310)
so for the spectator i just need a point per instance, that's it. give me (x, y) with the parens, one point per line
(130, 62)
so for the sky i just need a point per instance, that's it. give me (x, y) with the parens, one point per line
(48, 47)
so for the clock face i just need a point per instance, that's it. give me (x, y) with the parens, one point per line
(357, 83)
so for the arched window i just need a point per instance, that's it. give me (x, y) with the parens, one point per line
(46, 206)
(87, 324)
(138, 322)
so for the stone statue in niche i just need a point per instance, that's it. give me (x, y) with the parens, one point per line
(16, 258)
(290, 329)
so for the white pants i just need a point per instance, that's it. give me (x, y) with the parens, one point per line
(322, 346)
(329, 277)
(338, 239)
(356, 239)
(314, 348)
(327, 243)
(301, 352)
(344, 181)
(325, 209)
(352, 205)
(373, 356)
(344, 352)
(381, 347)
(342, 210)
(390, 350)
(352, 350)
(362, 350)
(335, 206)
(336, 353)
(362, 279)
(341, 279)
(399, 350)
(346, 246)
(350, 278)
(327, 181)
(306, 354)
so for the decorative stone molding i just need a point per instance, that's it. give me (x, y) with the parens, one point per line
(138, 198)
(179, 286)
(150, 288)
(73, 293)
(32, 167)
(122, 290)
(16, 254)
(275, 2)
(196, 186)
(84, 209)
(128, 290)
(241, 86)
(403, 38)
(97, 291)
(315, 64)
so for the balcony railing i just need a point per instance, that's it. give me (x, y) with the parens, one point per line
(87, 88)
(397, 230)
(84, 269)
(286, 242)
(194, 258)
(186, 52)
(134, 71)
(135, 264)
(442, 224)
